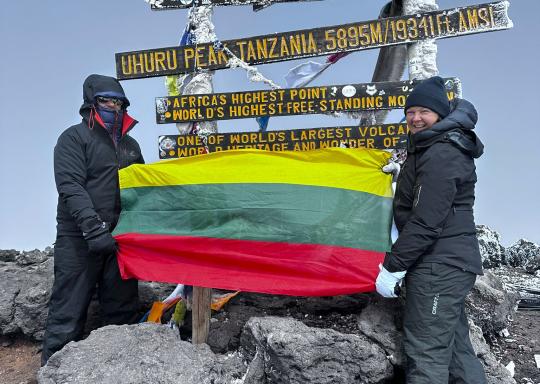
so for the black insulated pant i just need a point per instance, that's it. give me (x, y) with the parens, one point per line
(76, 274)
(436, 331)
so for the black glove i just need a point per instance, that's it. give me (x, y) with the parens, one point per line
(99, 239)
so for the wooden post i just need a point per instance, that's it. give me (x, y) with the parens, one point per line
(202, 298)
(200, 19)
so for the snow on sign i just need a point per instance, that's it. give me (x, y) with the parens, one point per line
(257, 4)
(384, 136)
(315, 42)
(289, 101)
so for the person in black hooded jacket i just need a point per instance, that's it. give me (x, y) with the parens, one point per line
(87, 157)
(437, 250)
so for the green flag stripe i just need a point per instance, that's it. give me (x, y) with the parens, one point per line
(267, 212)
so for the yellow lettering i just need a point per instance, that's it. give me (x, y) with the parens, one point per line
(241, 44)
(139, 64)
(126, 70)
(189, 53)
(312, 44)
(262, 49)
(296, 47)
(212, 58)
(284, 48)
(171, 60)
(483, 14)
(251, 55)
(273, 41)
(472, 17)
(149, 64)
(376, 33)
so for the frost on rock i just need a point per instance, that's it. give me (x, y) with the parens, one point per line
(524, 254)
(491, 250)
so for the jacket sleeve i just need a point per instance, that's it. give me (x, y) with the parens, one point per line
(70, 178)
(140, 158)
(438, 174)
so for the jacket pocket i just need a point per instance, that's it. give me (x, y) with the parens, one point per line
(416, 194)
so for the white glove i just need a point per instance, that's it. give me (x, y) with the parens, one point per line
(387, 281)
(392, 168)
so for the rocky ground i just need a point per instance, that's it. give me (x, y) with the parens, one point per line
(257, 339)
(20, 358)
(520, 346)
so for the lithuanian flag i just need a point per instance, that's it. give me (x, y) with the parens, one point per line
(310, 223)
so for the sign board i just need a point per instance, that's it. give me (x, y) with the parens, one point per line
(257, 4)
(384, 136)
(290, 101)
(315, 42)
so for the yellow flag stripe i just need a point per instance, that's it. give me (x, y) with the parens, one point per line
(352, 169)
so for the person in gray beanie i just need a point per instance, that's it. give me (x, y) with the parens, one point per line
(87, 157)
(436, 252)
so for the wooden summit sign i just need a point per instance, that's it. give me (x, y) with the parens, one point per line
(315, 42)
(385, 136)
(289, 101)
(257, 4)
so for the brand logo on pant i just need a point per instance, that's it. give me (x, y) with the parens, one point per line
(435, 302)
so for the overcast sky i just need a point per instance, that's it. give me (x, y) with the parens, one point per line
(48, 49)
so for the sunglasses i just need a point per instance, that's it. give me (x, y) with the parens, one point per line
(105, 100)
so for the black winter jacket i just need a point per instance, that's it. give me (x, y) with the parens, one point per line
(433, 204)
(86, 164)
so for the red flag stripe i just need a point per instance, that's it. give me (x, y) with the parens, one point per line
(247, 265)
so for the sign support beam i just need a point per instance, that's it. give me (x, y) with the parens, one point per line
(422, 54)
(200, 20)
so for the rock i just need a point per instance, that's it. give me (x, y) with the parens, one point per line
(142, 353)
(319, 312)
(382, 322)
(33, 257)
(284, 350)
(25, 289)
(491, 250)
(224, 334)
(24, 299)
(496, 373)
(8, 254)
(490, 305)
(527, 285)
(152, 291)
(255, 338)
(524, 254)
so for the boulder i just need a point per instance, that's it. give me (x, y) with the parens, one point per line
(524, 254)
(33, 257)
(490, 305)
(25, 289)
(143, 353)
(8, 254)
(337, 312)
(491, 250)
(284, 350)
(24, 297)
(382, 323)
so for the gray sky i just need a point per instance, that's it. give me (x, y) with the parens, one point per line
(48, 49)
